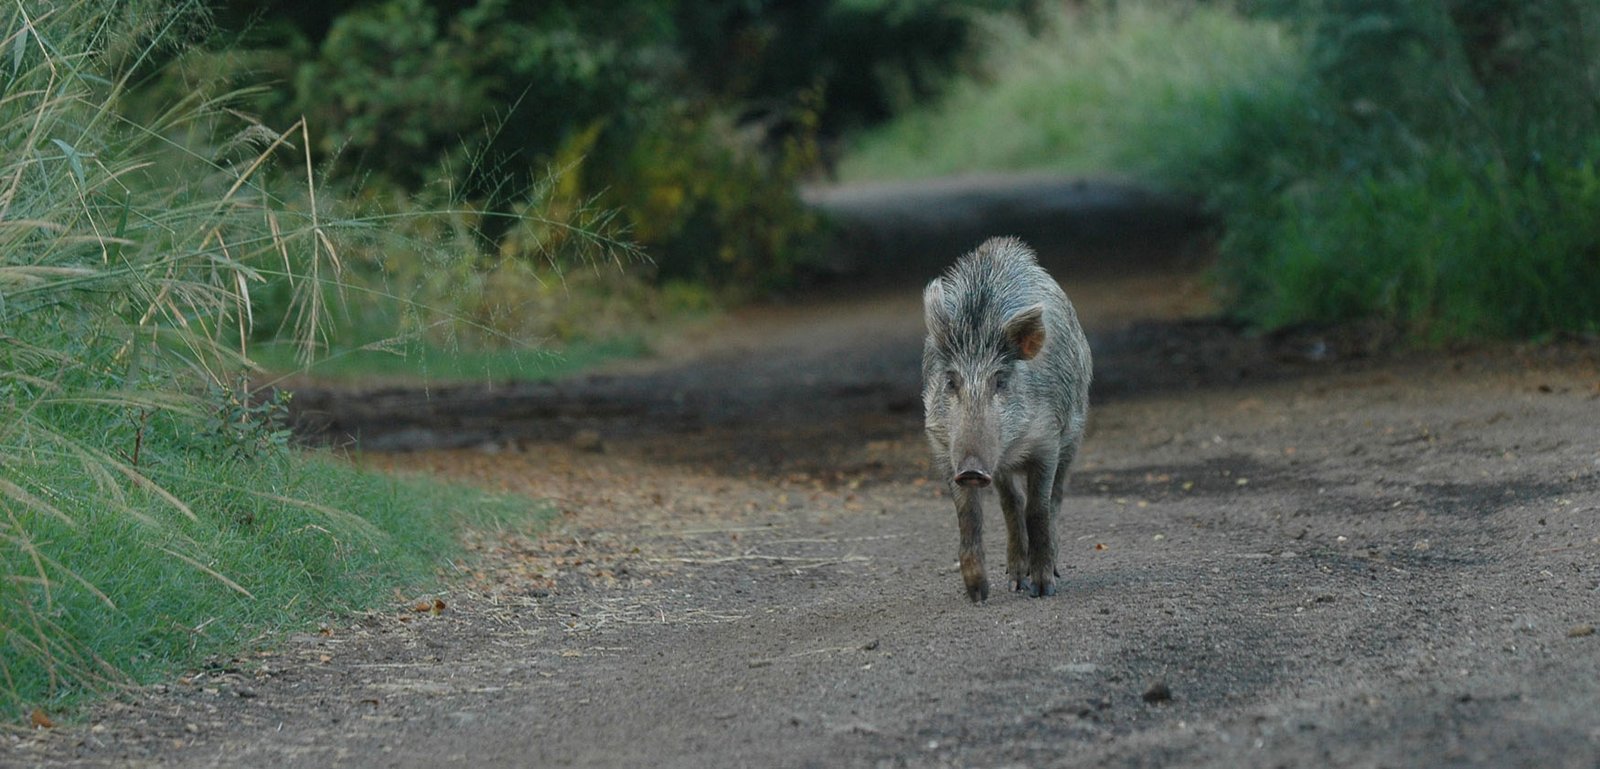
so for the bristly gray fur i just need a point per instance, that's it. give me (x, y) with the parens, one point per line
(980, 291)
(1002, 407)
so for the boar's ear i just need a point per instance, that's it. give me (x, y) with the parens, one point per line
(1025, 331)
(934, 311)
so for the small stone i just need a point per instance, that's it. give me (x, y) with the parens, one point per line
(1579, 631)
(870, 645)
(1157, 693)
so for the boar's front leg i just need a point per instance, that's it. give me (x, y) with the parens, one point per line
(1011, 505)
(969, 517)
(1041, 525)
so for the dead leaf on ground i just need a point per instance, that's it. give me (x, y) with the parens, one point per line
(40, 720)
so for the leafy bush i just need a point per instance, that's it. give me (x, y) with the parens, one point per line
(694, 120)
(1429, 164)
(1441, 251)
(1438, 170)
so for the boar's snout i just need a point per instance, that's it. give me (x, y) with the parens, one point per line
(972, 475)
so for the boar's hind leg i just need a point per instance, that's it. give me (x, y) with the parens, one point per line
(1011, 505)
(969, 518)
(1041, 537)
(1058, 490)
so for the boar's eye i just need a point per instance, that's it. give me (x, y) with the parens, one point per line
(952, 383)
(1002, 380)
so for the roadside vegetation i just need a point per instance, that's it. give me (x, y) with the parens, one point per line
(1434, 166)
(1136, 88)
(151, 509)
(680, 128)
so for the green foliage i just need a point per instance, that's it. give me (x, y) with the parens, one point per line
(245, 426)
(724, 218)
(1429, 164)
(1437, 171)
(1441, 252)
(397, 85)
(694, 120)
(414, 277)
(150, 511)
(499, 108)
(99, 595)
(1129, 87)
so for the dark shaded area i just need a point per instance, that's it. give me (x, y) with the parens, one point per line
(894, 234)
(869, 389)
(682, 127)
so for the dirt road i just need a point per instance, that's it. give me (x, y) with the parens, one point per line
(1276, 552)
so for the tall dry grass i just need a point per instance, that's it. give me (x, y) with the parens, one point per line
(150, 509)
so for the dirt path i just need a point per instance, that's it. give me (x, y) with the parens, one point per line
(1274, 554)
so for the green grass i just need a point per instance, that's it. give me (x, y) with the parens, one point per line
(1440, 250)
(102, 596)
(151, 512)
(1134, 88)
(1436, 172)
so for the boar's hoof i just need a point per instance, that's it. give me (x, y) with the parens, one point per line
(1020, 584)
(1041, 588)
(972, 574)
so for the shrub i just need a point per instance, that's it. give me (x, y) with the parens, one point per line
(694, 120)
(1438, 171)
(1429, 164)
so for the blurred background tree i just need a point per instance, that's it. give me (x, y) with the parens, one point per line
(1439, 169)
(694, 121)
